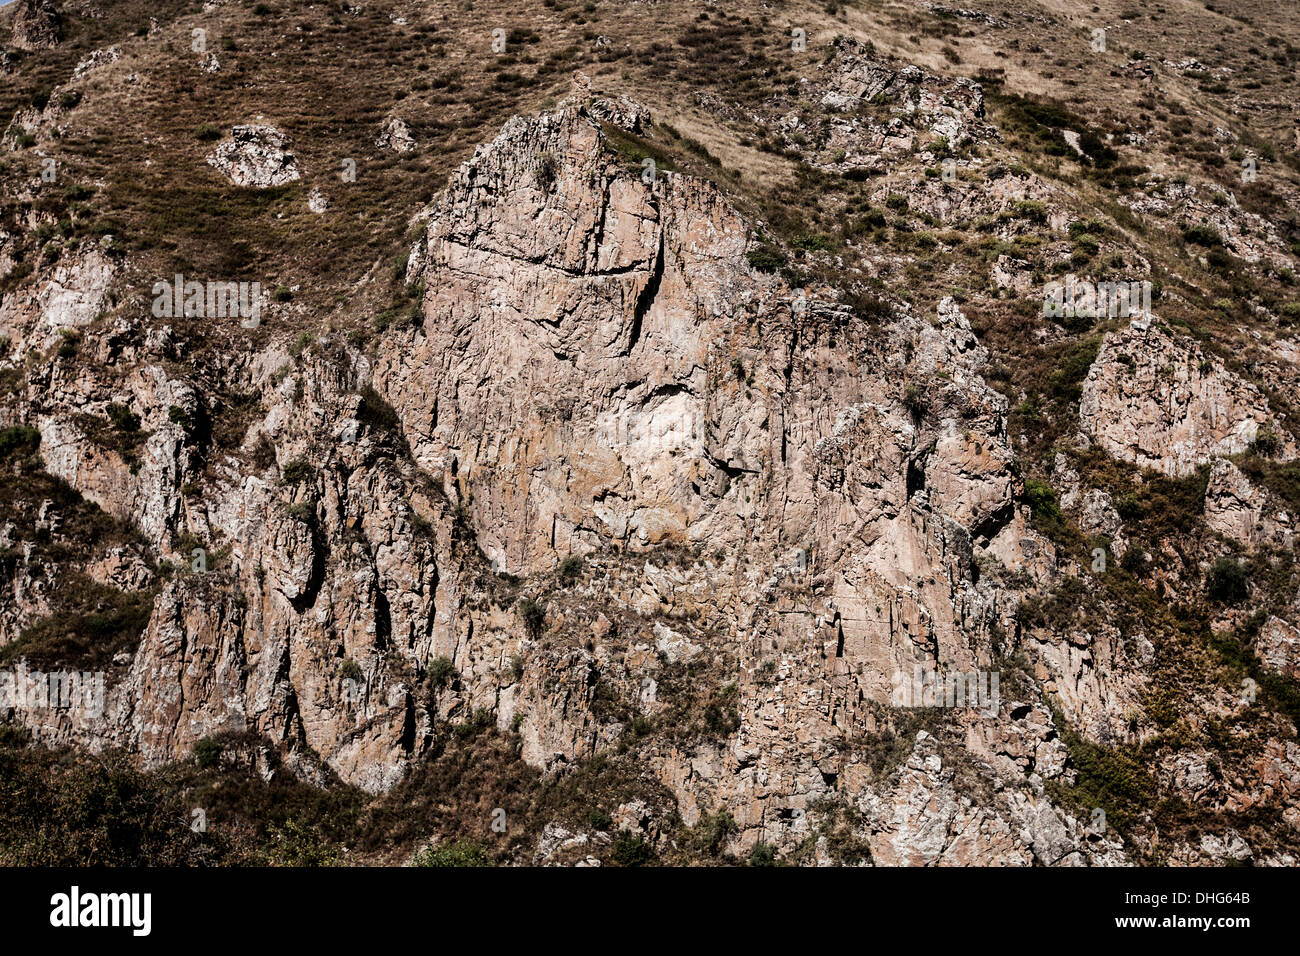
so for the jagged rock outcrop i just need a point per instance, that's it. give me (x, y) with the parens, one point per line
(599, 367)
(37, 25)
(785, 510)
(599, 372)
(396, 136)
(1157, 400)
(256, 157)
(930, 106)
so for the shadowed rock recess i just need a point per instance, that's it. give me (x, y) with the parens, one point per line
(618, 489)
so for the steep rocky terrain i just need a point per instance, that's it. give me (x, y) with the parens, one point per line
(615, 424)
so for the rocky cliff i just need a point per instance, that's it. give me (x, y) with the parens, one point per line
(629, 474)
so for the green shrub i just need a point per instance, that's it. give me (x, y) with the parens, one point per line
(533, 615)
(1134, 561)
(123, 419)
(22, 438)
(869, 306)
(813, 242)
(299, 844)
(296, 471)
(207, 752)
(766, 259)
(1266, 442)
(460, 853)
(710, 834)
(762, 854)
(1203, 235)
(441, 671)
(351, 670)
(570, 569)
(69, 341)
(1041, 498)
(548, 168)
(631, 849)
(1030, 209)
(179, 416)
(1227, 582)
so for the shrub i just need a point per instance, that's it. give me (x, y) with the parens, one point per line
(1202, 235)
(1041, 498)
(548, 168)
(869, 306)
(710, 834)
(766, 259)
(722, 713)
(914, 398)
(699, 149)
(570, 568)
(631, 849)
(1134, 561)
(1030, 209)
(763, 854)
(1227, 582)
(533, 615)
(207, 752)
(460, 853)
(1266, 442)
(299, 844)
(179, 416)
(19, 437)
(123, 419)
(69, 341)
(351, 670)
(813, 242)
(296, 471)
(441, 671)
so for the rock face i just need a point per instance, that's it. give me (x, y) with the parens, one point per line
(612, 488)
(256, 157)
(396, 136)
(1156, 400)
(37, 25)
(934, 107)
(1279, 646)
(601, 373)
(599, 368)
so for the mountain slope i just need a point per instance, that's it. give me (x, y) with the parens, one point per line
(644, 416)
